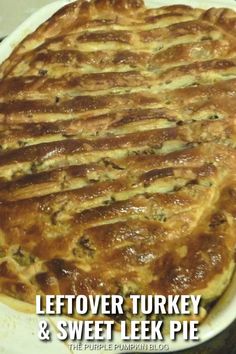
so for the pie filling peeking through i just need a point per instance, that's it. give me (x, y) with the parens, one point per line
(117, 153)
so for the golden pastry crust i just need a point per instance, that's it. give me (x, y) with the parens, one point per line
(118, 160)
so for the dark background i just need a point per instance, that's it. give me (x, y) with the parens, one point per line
(224, 343)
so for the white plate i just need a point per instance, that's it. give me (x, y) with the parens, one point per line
(18, 332)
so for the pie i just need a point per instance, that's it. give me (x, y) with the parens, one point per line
(118, 160)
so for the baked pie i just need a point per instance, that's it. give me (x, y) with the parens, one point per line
(117, 153)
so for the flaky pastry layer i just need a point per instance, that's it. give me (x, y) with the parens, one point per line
(118, 161)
